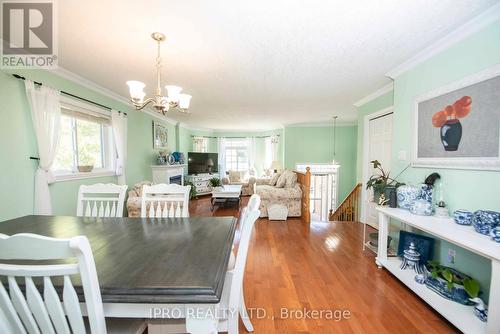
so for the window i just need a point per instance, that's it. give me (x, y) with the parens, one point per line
(236, 154)
(200, 144)
(85, 139)
(324, 188)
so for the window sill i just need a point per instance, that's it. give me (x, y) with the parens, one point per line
(61, 177)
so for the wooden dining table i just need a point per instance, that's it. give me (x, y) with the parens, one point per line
(149, 268)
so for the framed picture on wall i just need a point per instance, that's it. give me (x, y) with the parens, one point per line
(160, 136)
(458, 126)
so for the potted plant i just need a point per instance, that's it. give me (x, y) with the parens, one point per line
(451, 284)
(192, 191)
(381, 182)
(215, 182)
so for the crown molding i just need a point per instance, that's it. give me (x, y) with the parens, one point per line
(192, 128)
(320, 124)
(73, 77)
(470, 27)
(370, 97)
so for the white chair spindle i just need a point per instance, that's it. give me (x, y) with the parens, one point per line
(94, 209)
(10, 311)
(54, 307)
(113, 210)
(107, 210)
(37, 306)
(87, 209)
(171, 211)
(165, 210)
(178, 210)
(158, 209)
(151, 210)
(21, 306)
(72, 307)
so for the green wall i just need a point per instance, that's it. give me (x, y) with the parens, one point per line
(315, 144)
(465, 189)
(17, 144)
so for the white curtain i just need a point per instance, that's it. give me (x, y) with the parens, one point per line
(274, 145)
(222, 156)
(46, 116)
(119, 125)
(252, 153)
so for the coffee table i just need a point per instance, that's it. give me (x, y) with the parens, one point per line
(225, 194)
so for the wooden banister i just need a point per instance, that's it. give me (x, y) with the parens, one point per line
(348, 210)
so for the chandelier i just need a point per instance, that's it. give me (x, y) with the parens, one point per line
(174, 98)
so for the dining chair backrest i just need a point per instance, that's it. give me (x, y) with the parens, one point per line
(254, 202)
(33, 313)
(101, 200)
(165, 201)
(241, 257)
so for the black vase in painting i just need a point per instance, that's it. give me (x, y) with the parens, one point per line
(451, 134)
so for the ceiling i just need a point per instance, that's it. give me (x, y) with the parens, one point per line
(256, 64)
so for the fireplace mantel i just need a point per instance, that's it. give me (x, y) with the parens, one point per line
(166, 173)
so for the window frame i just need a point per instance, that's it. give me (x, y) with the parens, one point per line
(108, 151)
(237, 148)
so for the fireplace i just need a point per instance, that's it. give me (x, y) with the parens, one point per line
(177, 179)
(168, 174)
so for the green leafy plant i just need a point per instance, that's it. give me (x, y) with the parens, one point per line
(471, 286)
(381, 180)
(215, 182)
(192, 192)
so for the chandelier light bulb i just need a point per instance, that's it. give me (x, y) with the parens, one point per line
(136, 90)
(173, 92)
(184, 101)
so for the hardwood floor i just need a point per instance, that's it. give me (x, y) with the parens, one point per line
(292, 267)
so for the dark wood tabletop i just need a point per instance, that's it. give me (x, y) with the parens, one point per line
(142, 260)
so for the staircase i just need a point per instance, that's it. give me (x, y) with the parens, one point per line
(348, 210)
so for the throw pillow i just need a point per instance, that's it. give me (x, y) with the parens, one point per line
(282, 180)
(234, 176)
(274, 179)
(291, 179)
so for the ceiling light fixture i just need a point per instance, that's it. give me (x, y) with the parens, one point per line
(174, 99)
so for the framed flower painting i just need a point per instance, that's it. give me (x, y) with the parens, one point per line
(458, 126)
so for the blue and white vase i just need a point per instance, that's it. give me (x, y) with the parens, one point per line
(463, 217)
(485, 221)
(495, 233)
(407, 195)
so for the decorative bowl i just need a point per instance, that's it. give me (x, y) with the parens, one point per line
(463, 217)
(85, 169)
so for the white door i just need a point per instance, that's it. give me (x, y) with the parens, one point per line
(379, 148)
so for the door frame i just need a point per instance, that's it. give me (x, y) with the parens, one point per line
(366, 143)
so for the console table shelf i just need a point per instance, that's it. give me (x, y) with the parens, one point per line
(464, 236)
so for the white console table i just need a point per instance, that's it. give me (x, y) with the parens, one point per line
(164, 173)
(464, 236)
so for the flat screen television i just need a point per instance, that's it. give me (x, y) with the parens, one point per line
(199, 163)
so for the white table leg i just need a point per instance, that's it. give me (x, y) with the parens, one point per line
(493, 326)
(383, 228)
(201, 325)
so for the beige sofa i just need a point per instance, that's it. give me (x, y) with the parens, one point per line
(247, 183)
(288, 194)
(134, 199)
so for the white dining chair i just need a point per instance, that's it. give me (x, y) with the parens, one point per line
(232, 293)
(30, 312)
(101, 200)
(165, 201)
